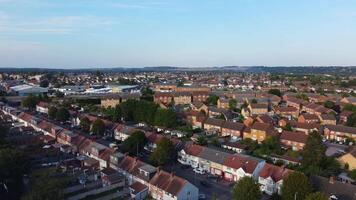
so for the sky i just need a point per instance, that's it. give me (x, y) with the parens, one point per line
(182, 33)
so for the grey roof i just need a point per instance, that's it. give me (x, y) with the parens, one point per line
(214, 155)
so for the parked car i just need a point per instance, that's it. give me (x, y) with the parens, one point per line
(198, 171)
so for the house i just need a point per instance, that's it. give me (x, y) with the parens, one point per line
(223, 103)
(110, 102)
(164, 97)
(260, 131)
(233, 129)
(305, 127)
(213, 125)
(293, 140)
(199, 106)
(217, 112)
(167, 186)
(110, 176)
(344, 116)
(189, 155)
(271, 178)
(258, 108)
(349, 100)
(238, 166)
(138, 191)
(122, 132)
(349, 158)
(235, 146)
(294, 102)
(288, 112)
(182, 98)
(42, 107)
(265, 119)
(201, 96)
(339, 133)
(308, 118)
(195, 118)
(327, 119)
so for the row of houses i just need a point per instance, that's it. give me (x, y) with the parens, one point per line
(232, 167)
(143, 179)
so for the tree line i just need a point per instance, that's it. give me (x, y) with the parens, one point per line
(142, 111)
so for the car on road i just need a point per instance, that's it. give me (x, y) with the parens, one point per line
(199, 171)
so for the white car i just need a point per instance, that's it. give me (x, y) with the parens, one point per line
(199, 171)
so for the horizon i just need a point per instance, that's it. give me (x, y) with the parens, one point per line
(201, 34)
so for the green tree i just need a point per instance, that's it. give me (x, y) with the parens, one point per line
(313, 152)
(276, 92)
(85, 123)
(352, 174)
(134, 143)
(351, 120)
(163, 153)
(30, 102)
(329, 104)
(254, 101)
(317, 196)
(201, 140)
(13, 165)
(44, 83)
(212, 99)
(166, 118)
(98, 127)
(296, 186)
(52, 112)
(246, 189)
(62, 114)
(232, 104)
(269, 146)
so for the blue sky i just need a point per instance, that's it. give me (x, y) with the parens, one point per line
(191, 33)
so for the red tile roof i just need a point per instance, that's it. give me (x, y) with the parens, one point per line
(248, 164)
(275, 172)
(193, 149)
(168, 182)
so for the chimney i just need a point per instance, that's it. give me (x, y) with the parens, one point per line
(332, 179)
(158, 169)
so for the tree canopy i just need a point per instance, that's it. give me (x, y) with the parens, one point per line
(276, 92)
(212, 99)
(62, 114)
(246, 189)
(30, 102)
(296, 186)
(98, 127)
(52, 111)
(134, 143)
(163, 153)
(85, 124)
(166, 118)
(351, 120)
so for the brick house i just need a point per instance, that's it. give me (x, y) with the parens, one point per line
(339, 133)
(293, 140)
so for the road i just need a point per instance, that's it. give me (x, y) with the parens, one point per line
(222, 191)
